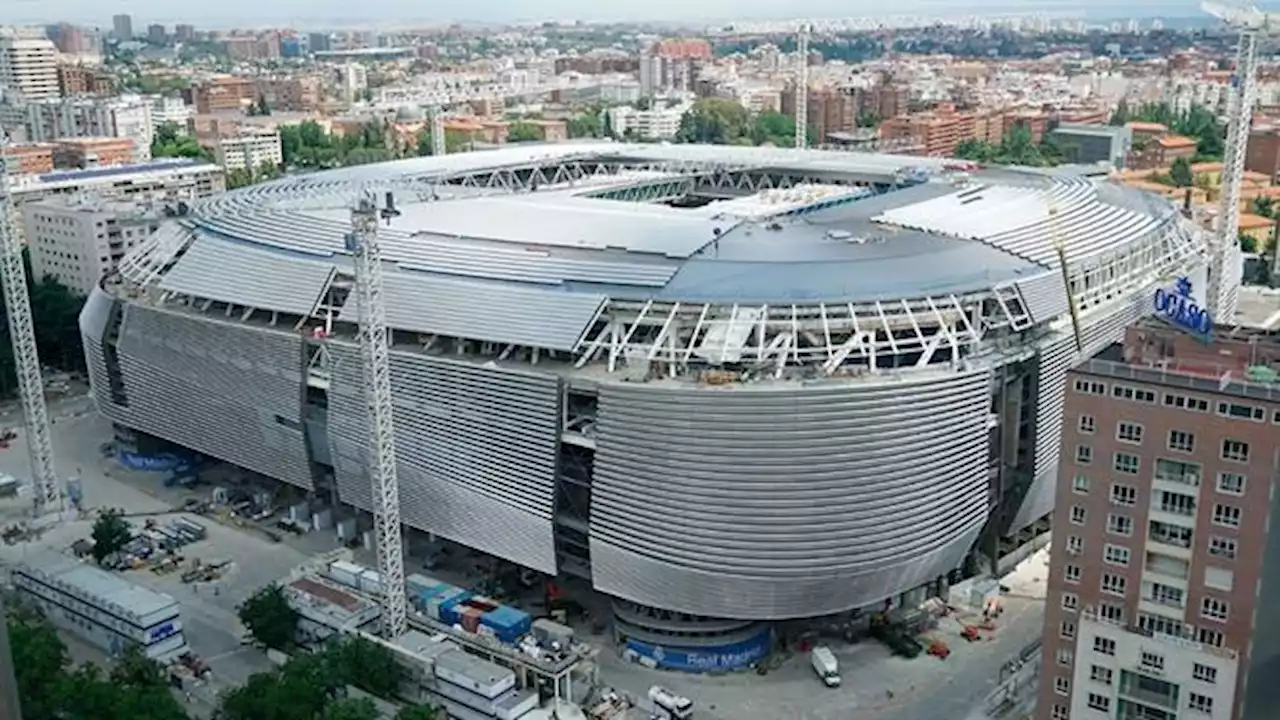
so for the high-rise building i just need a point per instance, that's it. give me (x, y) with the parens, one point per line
(157, 35)
(85, 80)
(319, 42)
(125, 117)
(184, 33)
(1164, 583)
(28, 65)
(78, 239)
(249, 150)
(122, 27)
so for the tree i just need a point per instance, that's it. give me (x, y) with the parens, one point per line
(523, 132)
(366, 665)
(269, 617)
(111, 532)
(868, 118)
(418, 712)
(351, 709)
(134, 669)
(714, 121)
(1121, 115)
(1264, 205)
(40, 661)
(1180, 173)
(170, 140)
(1248, 243)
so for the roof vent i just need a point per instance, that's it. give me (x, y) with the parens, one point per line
(839, 235)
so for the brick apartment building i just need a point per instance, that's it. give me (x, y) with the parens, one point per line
(91, 152)
(30, 158)
(84, 80)
(1164, 584)
(938, 131)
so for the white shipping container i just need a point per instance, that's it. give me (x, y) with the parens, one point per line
(516, 705)
(471, 673)
(371, 582)
(346, 573)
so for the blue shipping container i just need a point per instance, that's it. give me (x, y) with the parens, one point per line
(507, 623)
(450, 599)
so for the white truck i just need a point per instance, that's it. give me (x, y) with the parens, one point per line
(668, 705)
(825, 664)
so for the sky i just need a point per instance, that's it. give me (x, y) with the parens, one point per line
(251, 13)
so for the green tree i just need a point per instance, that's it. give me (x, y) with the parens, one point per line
(523, 132)
(418, 712)
(170, 140)
(1121, 114)
(774, 128)
(868, 119)
(714, 121)
(136, 670)
(1248, 243)
(1180, 173)
(111, 532)
(269, 617)
(366, 665)
(351, 709)
(1263, 205)
(40, 662)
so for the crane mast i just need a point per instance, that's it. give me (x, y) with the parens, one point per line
(375, 355)
(17, 300)
(438, 146)
(1240, 109)
(802, 89)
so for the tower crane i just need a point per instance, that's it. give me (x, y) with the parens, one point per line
(375, 354)
(17, 300)
(802, 88)
(438, 146)
(1250, 23)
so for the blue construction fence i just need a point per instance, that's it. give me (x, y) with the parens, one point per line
(719, 658)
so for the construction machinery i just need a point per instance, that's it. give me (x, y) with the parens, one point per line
(13, 274)
(438, 146)
(362, 243)
(1249, 22)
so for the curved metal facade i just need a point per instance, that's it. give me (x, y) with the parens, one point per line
(764, 503)
(476, 447)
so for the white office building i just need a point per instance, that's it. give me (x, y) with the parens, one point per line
(250, 150)
(660, 123)
(160, 182)
(78, 239)
(169, 110)
(28, 65)
(101, 608)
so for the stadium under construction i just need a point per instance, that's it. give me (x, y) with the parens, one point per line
(725, 385)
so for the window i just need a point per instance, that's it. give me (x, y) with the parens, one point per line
(1126, 392)
(1176, 471)
(1118, 524)
(1231, 483)
(1116, 555)
(1205, 673)
(1065, 658)
(1098, 673)
(1075, 545)
(1078, 515)
(1111, 613)
(1080, 485)
(1088, 424)
(1182, 440)
(1099, 702)
(1124, 495)
(1062, 686)
(1113, 584)
(1067, 631)
(1235, 450)
(1219, 578)
(1161, 625)
(1226, 515)
(1177, 503)
(1201, 703)
(1222, 547)
(1071, 573)
(1060, 712)
(1241, 412)
(1214, 609)
(1209, 636)
(1084, 454)
(1152, 661)
(1166, 595)
(1129, 432)
(1089, 387)
(1070, 602)
(1106, 646)
(1126, 463)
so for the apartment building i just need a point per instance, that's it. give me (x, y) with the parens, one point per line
(165, 110)
(85, 80)
(1164, 583)
(57, 119)
(28, 65)
(939, 132)
(223, 93)
(654, 124)
(78, 240)
(84, 153)
(30, 158)
(249, 149)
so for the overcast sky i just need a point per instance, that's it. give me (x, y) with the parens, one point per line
(247, 13)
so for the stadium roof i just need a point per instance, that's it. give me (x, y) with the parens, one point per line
(874, 228)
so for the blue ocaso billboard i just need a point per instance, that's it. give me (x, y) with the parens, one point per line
(733, 656)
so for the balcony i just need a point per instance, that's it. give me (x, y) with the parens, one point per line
(1170, 641)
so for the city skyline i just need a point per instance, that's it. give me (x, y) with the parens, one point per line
(309, 13)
